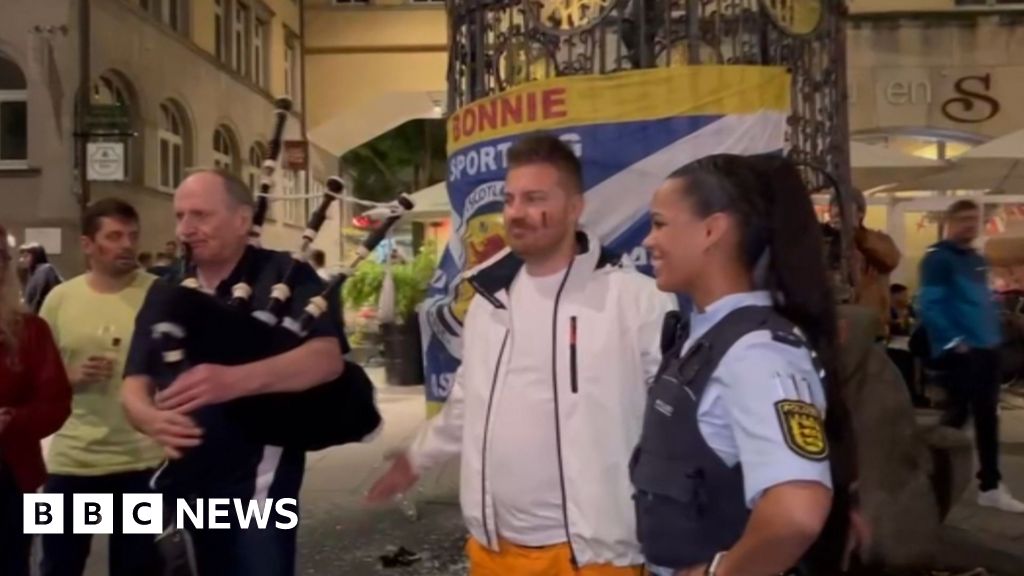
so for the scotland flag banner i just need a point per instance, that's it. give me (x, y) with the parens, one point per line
(630, 131)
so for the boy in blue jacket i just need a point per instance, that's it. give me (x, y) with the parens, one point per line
(963, 327)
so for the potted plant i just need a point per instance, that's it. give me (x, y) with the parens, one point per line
(403, 354)
(360, 294)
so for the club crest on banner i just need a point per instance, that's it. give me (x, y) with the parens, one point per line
(630, 131)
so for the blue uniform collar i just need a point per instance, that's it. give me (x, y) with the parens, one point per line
(701, 322)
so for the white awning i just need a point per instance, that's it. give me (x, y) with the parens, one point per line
(431, 203)
(875, 166)
(372, 118)
(997, 166)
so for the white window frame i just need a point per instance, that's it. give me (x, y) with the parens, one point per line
(988, 4)
(292, 74)
(18, 93)
(223, 156)
(171, 148)
(293, 211)
(170, 14)
(254, 168)
(17, 96)
(260, 31)
(220, 48)
(317, 191)
(240, 38)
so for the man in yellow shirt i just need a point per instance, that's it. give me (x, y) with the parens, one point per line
(92, 318)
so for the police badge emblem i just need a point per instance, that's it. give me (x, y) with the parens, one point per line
(802, 428)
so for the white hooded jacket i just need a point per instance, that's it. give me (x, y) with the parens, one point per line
(600, 385)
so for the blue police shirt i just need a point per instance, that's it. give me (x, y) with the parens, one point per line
(737, 414)
(227, 464)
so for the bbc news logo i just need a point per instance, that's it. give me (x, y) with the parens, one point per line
(144, 514)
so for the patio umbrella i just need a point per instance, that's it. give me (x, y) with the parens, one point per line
(997, 166)
(875, 166)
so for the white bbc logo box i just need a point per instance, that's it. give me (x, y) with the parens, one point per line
(93, 514)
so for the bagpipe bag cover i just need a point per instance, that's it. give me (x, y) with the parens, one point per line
(338, 412)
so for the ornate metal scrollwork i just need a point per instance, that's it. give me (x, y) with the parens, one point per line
(568, 16)
(498, 44)
(795, 17)
(521, 60)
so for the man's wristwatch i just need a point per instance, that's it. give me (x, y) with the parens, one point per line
(713, 567)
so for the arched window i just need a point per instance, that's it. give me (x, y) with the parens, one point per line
(13, 115)
(172, 133)
(112, 88)
(292, 209)
(172, 13)
(256, 156)
(225, 151)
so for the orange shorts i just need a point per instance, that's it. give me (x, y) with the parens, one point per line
(547, 561)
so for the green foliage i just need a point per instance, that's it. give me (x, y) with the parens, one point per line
(404, 159)
(357, 339)
(363, 288)
(411, 282)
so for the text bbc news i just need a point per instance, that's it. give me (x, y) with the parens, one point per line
(144, 514)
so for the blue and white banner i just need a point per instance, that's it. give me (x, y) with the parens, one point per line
(630, 130)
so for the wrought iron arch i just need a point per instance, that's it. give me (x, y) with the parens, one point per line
(498, 44)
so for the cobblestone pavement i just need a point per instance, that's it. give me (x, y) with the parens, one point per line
(995, 539)
(340, 536)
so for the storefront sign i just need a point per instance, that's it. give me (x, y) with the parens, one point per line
(974, 104)
(915, 95)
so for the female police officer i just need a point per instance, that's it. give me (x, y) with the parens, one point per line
(732, 473)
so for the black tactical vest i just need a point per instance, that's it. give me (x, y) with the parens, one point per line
(689, 504)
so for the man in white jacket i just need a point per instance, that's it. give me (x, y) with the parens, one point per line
(560, 342)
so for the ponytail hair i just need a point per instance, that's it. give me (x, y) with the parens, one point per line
(782, 246)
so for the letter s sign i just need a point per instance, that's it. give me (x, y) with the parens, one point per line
(956, 108)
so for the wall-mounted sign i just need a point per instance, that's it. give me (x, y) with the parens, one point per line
(964, 98)
(294, 155)
(105, 161)
(48, 238)
(973, 103)
(107, 118)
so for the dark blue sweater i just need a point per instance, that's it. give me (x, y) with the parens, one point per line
(956, 303)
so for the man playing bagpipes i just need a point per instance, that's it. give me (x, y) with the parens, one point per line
(209, 454)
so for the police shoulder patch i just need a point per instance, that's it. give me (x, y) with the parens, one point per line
(802, 428)
(788, 338)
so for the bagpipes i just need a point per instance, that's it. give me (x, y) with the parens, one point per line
(195, 328)
(282, 106)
